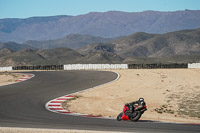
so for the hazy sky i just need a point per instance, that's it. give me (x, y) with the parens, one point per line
(30, 8)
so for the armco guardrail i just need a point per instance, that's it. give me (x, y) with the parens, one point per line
(193, 65)
(94, 66)
(157, 66)
(6, 68)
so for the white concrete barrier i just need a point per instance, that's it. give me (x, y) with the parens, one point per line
(6, 68)
(94, 66)
(194, 65)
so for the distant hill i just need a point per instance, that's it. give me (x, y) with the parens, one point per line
(97, 47)
(165, 60)
(101, 57)
(15, 46)
(73, 41)
(185, 42)
(173, 47)
(106, 24)
(22, 57)
(59, 55)
(5, 52)
(53, 57)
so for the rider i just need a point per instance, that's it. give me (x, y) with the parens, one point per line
(136, 104)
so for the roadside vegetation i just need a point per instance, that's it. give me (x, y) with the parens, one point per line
(186, 103)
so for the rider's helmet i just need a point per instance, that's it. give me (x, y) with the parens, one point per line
(141, 99)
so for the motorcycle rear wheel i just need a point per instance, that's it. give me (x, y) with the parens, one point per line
(136, 117)
(119, 117)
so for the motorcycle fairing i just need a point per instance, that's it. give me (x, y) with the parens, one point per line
(125, 117)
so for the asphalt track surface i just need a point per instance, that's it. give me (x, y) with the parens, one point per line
(23, 105)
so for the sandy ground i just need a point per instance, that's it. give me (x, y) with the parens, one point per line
(164, 90)
(9, 78)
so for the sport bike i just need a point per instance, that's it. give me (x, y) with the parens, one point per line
(132, 115)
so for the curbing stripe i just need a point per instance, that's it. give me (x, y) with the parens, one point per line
(54, 104)
(56, 101)
(26, 77)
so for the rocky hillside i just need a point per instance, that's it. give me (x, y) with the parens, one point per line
(15, 46)
(106, 24)
(73, 41)
(186, 42)
(55, 56)
(174, 47)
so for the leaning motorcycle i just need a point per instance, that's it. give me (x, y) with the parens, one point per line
(129, 115)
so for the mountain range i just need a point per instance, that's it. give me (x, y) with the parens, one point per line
(73, 41)
(185, 42)
(57, 56)
(103, 24)
(173, 47)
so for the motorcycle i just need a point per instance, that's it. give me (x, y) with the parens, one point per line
(129, 115)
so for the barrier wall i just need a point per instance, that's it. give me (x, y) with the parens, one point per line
(102, 66)
(94, 66)
(6, 68)
(193, 65)
(39, 67)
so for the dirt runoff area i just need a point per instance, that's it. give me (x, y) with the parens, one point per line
(172, 95)
(9, 78)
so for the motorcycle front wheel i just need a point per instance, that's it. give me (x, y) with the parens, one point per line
(135, 117)
(119, 117)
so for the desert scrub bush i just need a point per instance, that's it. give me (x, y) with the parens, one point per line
(66, 105)
(4, 73)
(14, 75)
(74, 98)
(164, 109)
(190, 105)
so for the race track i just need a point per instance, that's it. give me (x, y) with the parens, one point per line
(23, 104)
